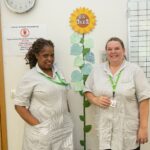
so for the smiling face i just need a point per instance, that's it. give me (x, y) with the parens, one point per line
(115, 52)
(45, 58)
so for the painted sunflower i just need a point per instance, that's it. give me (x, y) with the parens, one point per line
(82, 20)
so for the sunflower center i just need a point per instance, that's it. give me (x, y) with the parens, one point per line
(83, 20)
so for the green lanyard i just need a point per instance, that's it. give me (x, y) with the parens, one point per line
(60, 81)
(114, 83)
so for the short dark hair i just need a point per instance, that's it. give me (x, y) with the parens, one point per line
(36, 47)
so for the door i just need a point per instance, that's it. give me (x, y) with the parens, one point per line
(3, 131)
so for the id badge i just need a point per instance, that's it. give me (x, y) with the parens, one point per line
(113, 102)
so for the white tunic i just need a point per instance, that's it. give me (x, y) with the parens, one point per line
(47, 101)
(117, 126)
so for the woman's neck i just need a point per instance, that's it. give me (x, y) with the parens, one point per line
(48, 72)
(114, 67)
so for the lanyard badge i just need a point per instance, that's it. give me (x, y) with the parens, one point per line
(114, 85)
(59, 80)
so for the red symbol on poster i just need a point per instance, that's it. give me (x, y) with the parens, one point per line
(24, 32)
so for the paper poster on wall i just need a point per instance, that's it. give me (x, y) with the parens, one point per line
(18, 38)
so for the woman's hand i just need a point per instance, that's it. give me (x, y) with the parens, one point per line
(142, 137)
(26, 115)
(102, 101)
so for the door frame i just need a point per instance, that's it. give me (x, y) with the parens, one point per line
(3, 126)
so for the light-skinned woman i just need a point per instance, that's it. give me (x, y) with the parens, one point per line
(120, 92)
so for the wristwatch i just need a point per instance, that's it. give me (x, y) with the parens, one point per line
(20, 6)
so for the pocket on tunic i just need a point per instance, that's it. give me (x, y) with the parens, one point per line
(40, 124)
(43, 127)
(34, 138)
(40, 92)
(131, 124)
(37, 136)
(130, 132)
(128, 90)
(40, 89)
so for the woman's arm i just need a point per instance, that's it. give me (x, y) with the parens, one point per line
(143, 126)
(101, 101)
(26, 115)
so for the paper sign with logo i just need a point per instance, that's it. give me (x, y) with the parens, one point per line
(18, 38)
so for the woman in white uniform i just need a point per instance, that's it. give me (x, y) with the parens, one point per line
(41, 100)
(120, 92)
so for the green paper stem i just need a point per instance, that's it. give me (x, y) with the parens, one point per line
(86, 104)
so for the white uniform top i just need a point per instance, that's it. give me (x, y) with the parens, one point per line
(117, 126)
(47, 101)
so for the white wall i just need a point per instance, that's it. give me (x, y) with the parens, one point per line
(111, 16)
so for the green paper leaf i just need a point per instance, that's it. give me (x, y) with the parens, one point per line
(90, 57)
(87, 128)
(82, 118)
(76, 76)
(86, 103)
(75, 38)
(85, 51)
(85, 77)
(86, 69)
(81, 93)
(88, 43)
(76, 49)
(77, 86)
(82, 40)
(78, 61)
(82, 142)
